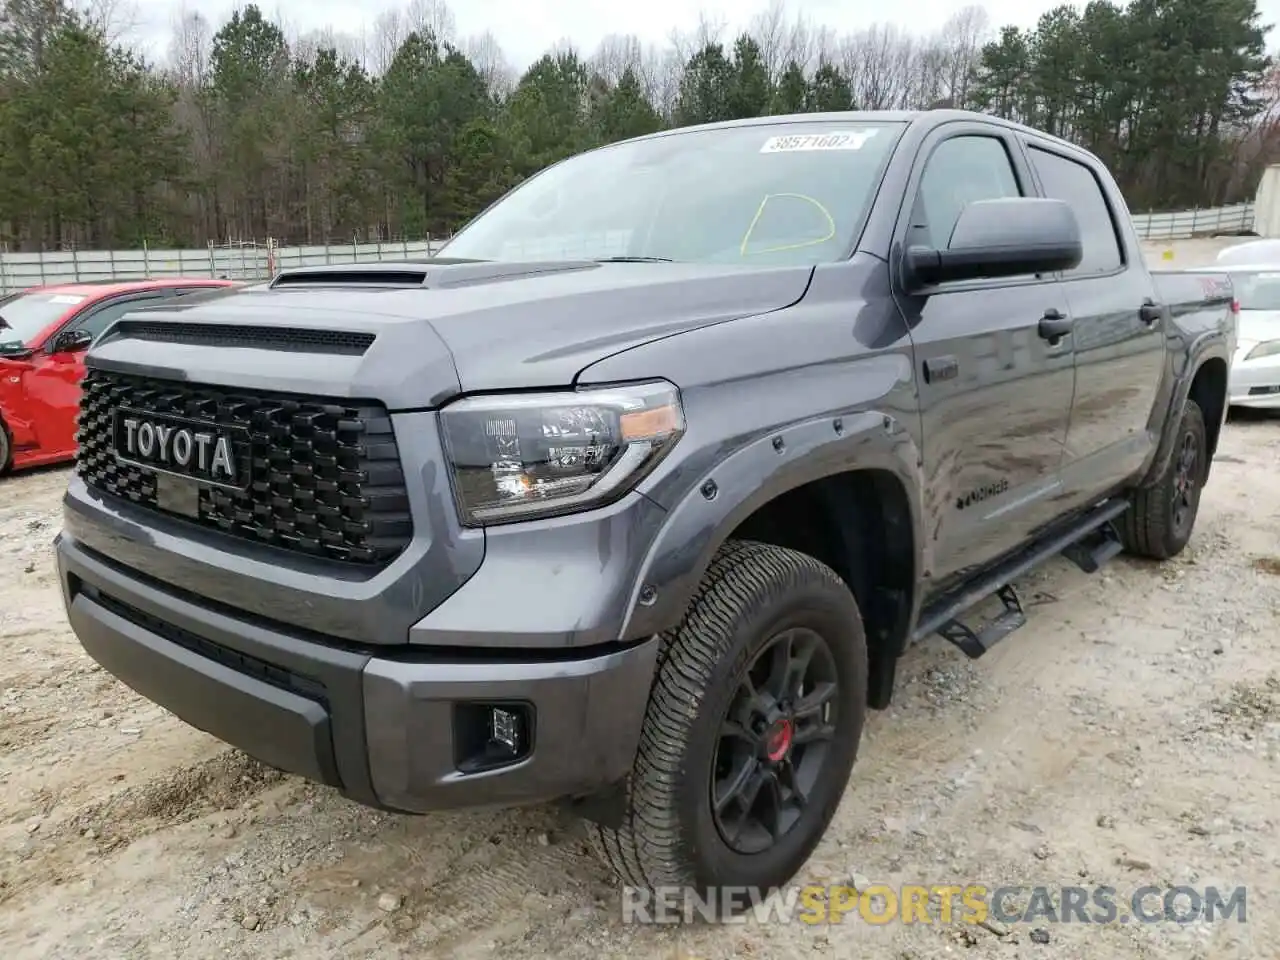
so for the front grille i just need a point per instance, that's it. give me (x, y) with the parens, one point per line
(326, 476)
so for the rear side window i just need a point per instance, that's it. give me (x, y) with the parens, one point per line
(1076, 184)
(98, 321)
(958, 172)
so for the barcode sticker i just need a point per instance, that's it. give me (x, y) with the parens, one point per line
(836, 140)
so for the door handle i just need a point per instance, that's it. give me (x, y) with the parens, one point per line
(1150, 312)
(1054, 326)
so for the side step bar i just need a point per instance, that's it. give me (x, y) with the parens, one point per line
(1089, 542)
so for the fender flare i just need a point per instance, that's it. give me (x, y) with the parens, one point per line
(715, 503)
(1210, 346)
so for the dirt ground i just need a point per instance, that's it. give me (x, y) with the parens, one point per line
(1127, 736)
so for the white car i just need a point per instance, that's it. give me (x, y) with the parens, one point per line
(1250, 253)
(1254, 380)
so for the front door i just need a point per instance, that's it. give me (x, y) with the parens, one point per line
(53, 383)
(994, 395)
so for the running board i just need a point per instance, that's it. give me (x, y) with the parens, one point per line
(1089, 542)
(1097, 547)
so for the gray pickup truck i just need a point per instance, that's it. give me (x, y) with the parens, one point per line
(634, 495)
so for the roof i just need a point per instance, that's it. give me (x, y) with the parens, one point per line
(99, 289)
(929, 118)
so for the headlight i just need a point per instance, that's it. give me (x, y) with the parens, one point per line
(1268, 349)
(521, 456)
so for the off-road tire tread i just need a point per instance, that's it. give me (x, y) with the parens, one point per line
(645, 851)
(1145, 526)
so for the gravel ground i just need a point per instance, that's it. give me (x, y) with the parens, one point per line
(1127, 736)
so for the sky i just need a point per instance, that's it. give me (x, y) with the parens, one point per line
(527, 28)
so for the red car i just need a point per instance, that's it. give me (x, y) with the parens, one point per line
(44, 333)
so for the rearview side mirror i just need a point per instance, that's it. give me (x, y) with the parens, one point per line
(72, 341)
(1008, 237)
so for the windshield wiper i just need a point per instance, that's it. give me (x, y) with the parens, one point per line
(634, 260)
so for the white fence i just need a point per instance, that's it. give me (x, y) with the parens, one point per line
(1184, 224)
(19, 271)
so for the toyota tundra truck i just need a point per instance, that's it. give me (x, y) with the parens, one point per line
(632, 497)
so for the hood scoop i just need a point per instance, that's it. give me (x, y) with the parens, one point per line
(436, 274)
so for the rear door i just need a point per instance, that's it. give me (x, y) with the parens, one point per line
(994, 395)
(1118, 330)
(53, 385)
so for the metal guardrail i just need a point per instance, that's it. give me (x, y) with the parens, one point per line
(19, 271)
(1184, 224)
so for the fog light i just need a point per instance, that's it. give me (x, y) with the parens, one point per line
(505, 729)
(490, 735)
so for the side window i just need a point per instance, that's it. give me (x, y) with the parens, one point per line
(1075, 183)
(98, 320)
(959, 171)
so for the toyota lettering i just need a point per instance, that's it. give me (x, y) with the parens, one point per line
(199, 450)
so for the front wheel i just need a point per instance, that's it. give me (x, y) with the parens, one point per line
(1161, 516)
(751, 732)
(6, 449)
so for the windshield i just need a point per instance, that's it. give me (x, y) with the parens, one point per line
(1253, 291)
(791, 193)
(25, 315)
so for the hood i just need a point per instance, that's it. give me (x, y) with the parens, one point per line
(1257, 326)
(438, 327)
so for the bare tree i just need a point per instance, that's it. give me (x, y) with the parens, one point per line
(770, 30)
(708, 31)
(615, 55)
(491, 63)
(660, 71)
(433, 17)
(878, 63)
(962, 38)
(389, 33)
(928, 68)
(1258, 142)
(783, 39)
(308, 45)
(563, 47)
(190, 47)
(114, 20)
(486, 53)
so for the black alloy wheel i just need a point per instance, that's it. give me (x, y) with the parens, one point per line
(1186, 482)
(774, 739)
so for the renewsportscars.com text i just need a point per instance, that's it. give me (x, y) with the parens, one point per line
(942, 904)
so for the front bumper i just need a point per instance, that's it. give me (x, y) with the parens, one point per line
(394, 731)
(1254, 383)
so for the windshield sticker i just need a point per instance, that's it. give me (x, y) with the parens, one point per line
(66, 298)
(836, 140)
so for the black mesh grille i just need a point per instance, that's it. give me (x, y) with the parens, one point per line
(326, 476)
(227, 335)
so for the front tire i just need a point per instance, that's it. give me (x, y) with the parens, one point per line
(1161, 516)
(6, 449)
(751, 731)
